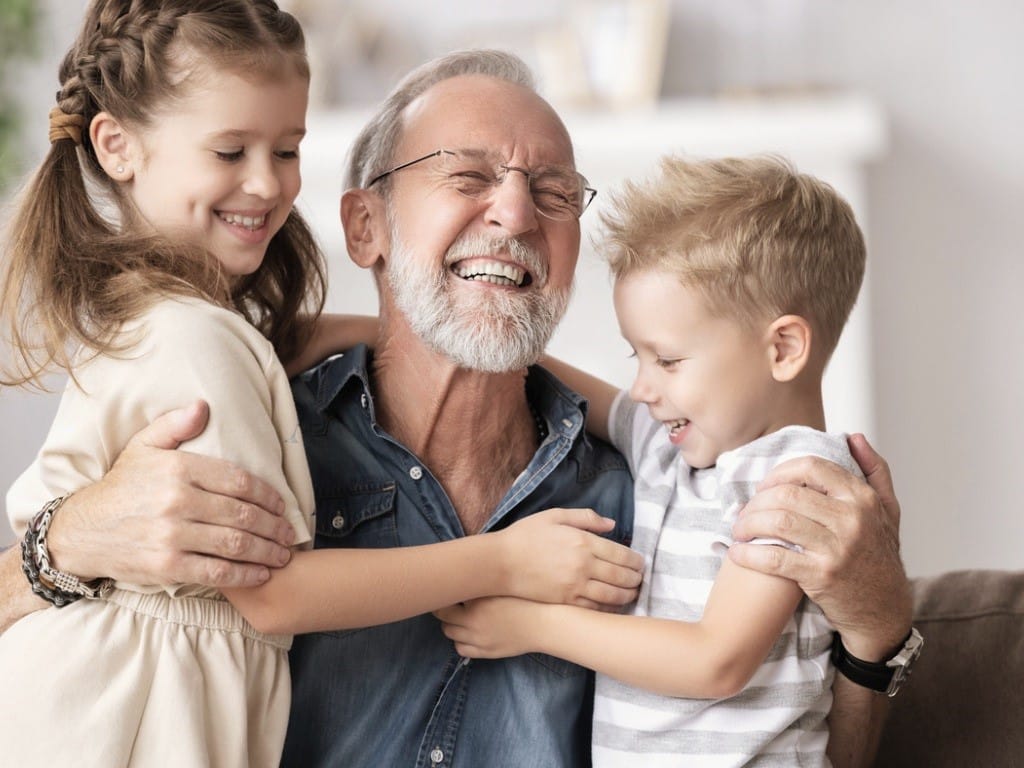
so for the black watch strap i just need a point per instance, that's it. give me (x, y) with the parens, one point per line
(882, 676)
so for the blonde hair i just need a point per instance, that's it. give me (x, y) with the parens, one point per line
(758, 239)
(70, 276)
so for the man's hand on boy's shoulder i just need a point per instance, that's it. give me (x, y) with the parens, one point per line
(163, 516)
(847, 531)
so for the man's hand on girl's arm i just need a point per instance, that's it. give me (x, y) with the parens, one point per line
(162, 516)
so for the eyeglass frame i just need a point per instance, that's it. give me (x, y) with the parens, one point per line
(589, 193)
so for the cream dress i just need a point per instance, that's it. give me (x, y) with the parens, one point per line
(156, 675)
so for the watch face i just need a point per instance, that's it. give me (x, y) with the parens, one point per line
(903, 661)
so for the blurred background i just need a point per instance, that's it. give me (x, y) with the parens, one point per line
(912, 110)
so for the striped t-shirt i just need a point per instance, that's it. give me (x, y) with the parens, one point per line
(682, 517)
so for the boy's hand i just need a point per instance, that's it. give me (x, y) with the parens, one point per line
(492, 627)
(556, 556)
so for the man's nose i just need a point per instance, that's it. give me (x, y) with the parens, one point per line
(511, 205)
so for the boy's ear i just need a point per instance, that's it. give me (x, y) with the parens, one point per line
(789, 346)
(364, 219)
(115, 149)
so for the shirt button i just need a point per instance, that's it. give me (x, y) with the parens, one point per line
(567, 423)
(363, 401)
(415, 473)
(338, 522)
(436, 755)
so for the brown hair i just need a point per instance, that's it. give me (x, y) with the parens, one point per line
(72, 276)
(757, 238)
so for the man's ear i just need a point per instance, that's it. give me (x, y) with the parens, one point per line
(789, 346)
(115, 149)
(364, 219)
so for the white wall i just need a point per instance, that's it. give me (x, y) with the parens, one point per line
(944, 203)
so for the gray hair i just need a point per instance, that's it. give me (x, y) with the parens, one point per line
(373, 149)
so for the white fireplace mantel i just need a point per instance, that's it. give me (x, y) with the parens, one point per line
(831, 136)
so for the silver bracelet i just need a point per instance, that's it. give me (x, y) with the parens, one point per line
(62, 582)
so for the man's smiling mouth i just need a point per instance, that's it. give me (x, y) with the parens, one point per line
(494, 272)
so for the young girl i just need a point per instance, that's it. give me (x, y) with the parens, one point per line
(184, 118)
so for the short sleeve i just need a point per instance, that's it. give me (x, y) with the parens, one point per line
(620, 423)
(740, 470)
(185, 350)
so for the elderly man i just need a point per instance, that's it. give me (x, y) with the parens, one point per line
(464, 202)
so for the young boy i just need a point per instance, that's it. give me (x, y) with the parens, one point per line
(733, 280)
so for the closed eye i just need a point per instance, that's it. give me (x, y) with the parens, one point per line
(230, 157)
(668, 362)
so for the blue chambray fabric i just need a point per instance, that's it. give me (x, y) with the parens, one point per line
(398, 694)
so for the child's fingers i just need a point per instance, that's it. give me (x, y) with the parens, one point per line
(618, 555)
(602, 571)
(583, 518)
(599, 593)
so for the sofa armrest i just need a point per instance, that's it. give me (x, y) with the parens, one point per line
(965, 699)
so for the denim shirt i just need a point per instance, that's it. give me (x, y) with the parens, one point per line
(398, 695)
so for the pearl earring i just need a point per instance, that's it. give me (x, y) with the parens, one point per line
(120, 169)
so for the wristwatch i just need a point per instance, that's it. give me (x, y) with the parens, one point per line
(882, 676)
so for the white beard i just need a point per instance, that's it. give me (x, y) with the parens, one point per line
(499, 332)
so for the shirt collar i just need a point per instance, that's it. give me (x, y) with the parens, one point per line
(564, 410)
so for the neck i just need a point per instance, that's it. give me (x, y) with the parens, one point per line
(799, 406)
(464, 425)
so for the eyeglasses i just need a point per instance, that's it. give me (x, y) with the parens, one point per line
(558, 193)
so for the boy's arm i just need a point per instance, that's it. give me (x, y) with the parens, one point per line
(713, 658)
(333, 333)
(599, 393)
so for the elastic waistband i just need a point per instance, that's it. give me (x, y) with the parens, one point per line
(206, 613)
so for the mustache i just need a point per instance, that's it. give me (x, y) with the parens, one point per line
(474, 246)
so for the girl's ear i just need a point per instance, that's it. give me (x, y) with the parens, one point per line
(114, 148)
(364, 219)
(789, 346)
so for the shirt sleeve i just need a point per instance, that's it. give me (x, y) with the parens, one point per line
(740, 471)
(620, 425)
(183, 351)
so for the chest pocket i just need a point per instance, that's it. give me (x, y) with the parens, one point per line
(362, 516)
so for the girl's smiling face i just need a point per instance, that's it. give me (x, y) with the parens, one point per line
(220, 166)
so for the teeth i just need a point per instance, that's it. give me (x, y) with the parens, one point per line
(494, 272)
(249, 222)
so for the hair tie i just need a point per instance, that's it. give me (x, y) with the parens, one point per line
(65, 126)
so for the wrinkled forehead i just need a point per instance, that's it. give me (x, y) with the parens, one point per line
(484, 113)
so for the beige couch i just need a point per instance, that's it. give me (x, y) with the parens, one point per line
(963, 706)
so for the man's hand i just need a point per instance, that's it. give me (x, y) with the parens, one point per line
(848, 531)
(163, 516)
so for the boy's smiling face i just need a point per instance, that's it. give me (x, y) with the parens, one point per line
(707, 378)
